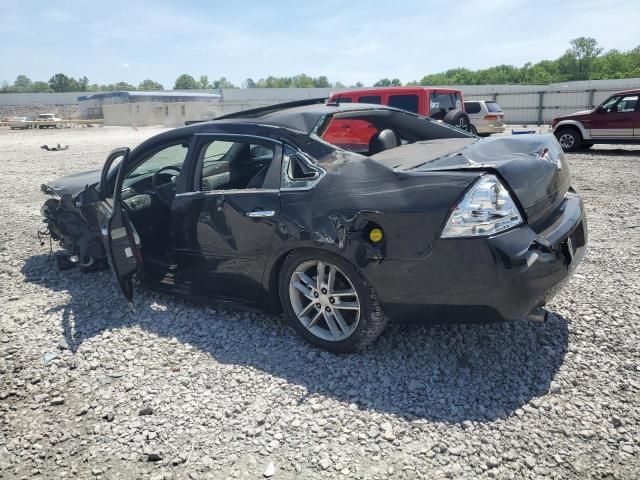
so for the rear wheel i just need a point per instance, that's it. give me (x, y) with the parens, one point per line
(473, 130)
(328, 302)
(569, 138)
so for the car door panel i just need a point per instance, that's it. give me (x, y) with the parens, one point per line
(222, 238)
(119, 237)
(612, 124)
(225, 239)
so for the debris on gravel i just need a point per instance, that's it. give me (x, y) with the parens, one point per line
(91, 389)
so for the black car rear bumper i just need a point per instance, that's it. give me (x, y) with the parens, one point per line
(503, 277)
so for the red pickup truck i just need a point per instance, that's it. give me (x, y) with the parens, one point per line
(616, 120)
(445, 104)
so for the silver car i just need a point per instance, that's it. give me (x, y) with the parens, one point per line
(486, 117)
(20, 123)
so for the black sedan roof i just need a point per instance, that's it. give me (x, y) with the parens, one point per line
(302, 119)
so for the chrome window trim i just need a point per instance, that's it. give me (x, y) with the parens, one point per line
(238, 135)
(210, 193)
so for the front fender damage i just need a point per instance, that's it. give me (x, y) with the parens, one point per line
(76, 230)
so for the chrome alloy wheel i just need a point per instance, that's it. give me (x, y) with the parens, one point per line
(324, 300)
(566, 140)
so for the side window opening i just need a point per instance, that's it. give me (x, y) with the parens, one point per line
(376, 99)
(441, 103)
(609, 104)
(298, 172)
(226, 165)
(404, 102)
(472, 107)
(169, 156)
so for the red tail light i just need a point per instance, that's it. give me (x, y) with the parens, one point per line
(491, 117)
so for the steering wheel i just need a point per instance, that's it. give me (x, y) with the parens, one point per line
(165, 191)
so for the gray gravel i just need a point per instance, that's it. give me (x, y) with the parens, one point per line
(33, 110)
(90, 389)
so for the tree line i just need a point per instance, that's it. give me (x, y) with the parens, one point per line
(583, 60)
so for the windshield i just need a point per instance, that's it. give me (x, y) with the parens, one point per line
(440, 103)
(172, 156)
(493, 107)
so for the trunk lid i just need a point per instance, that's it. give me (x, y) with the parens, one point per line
(532, 166)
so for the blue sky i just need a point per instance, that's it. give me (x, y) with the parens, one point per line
(347, 41)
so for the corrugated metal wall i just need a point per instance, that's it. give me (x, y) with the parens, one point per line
(522, 104)
(531, 104)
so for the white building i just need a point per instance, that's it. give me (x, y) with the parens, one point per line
(170, 109)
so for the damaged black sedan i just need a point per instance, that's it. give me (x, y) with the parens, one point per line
(342, 216)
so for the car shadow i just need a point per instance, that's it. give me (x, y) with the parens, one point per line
(611, 152)
(439, 372)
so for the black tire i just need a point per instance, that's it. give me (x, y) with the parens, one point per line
(586, 145)
(569, 139)
(458, 118)
(372, 320)
(473, 130)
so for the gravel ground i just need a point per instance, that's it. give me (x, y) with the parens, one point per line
(90, 389)
(63, 111)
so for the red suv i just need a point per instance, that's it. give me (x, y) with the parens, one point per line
(445, 104)
(616, 120)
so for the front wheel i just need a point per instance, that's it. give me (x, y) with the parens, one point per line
(569, 139)
(328, 302)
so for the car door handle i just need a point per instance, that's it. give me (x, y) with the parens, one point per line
(261, 213)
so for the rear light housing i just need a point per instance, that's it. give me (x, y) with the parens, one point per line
(485, 209)
(492, 117)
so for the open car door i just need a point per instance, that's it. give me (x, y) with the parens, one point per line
(119, 237)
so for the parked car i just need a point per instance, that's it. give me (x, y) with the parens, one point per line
(19, 123)
(49, 120)
(259, 208)
(486, 117)
(444, 104)
(616, 120)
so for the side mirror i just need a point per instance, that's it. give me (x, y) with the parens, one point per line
(103, 187)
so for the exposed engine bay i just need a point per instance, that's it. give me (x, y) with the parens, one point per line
(76, 229)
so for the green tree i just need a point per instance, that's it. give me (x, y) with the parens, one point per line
(185, 82)
(123, 86)
(223, 83)
(40, 87)
(249, 83)
(149, 84)
(204, 82)
(585, 50)
(22, 84)
(83, 84)
(383, 82)
(61, 83)
(321, 82)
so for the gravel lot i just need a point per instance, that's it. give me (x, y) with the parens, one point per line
(90, 389)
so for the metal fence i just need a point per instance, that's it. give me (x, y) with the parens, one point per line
(522, 104)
